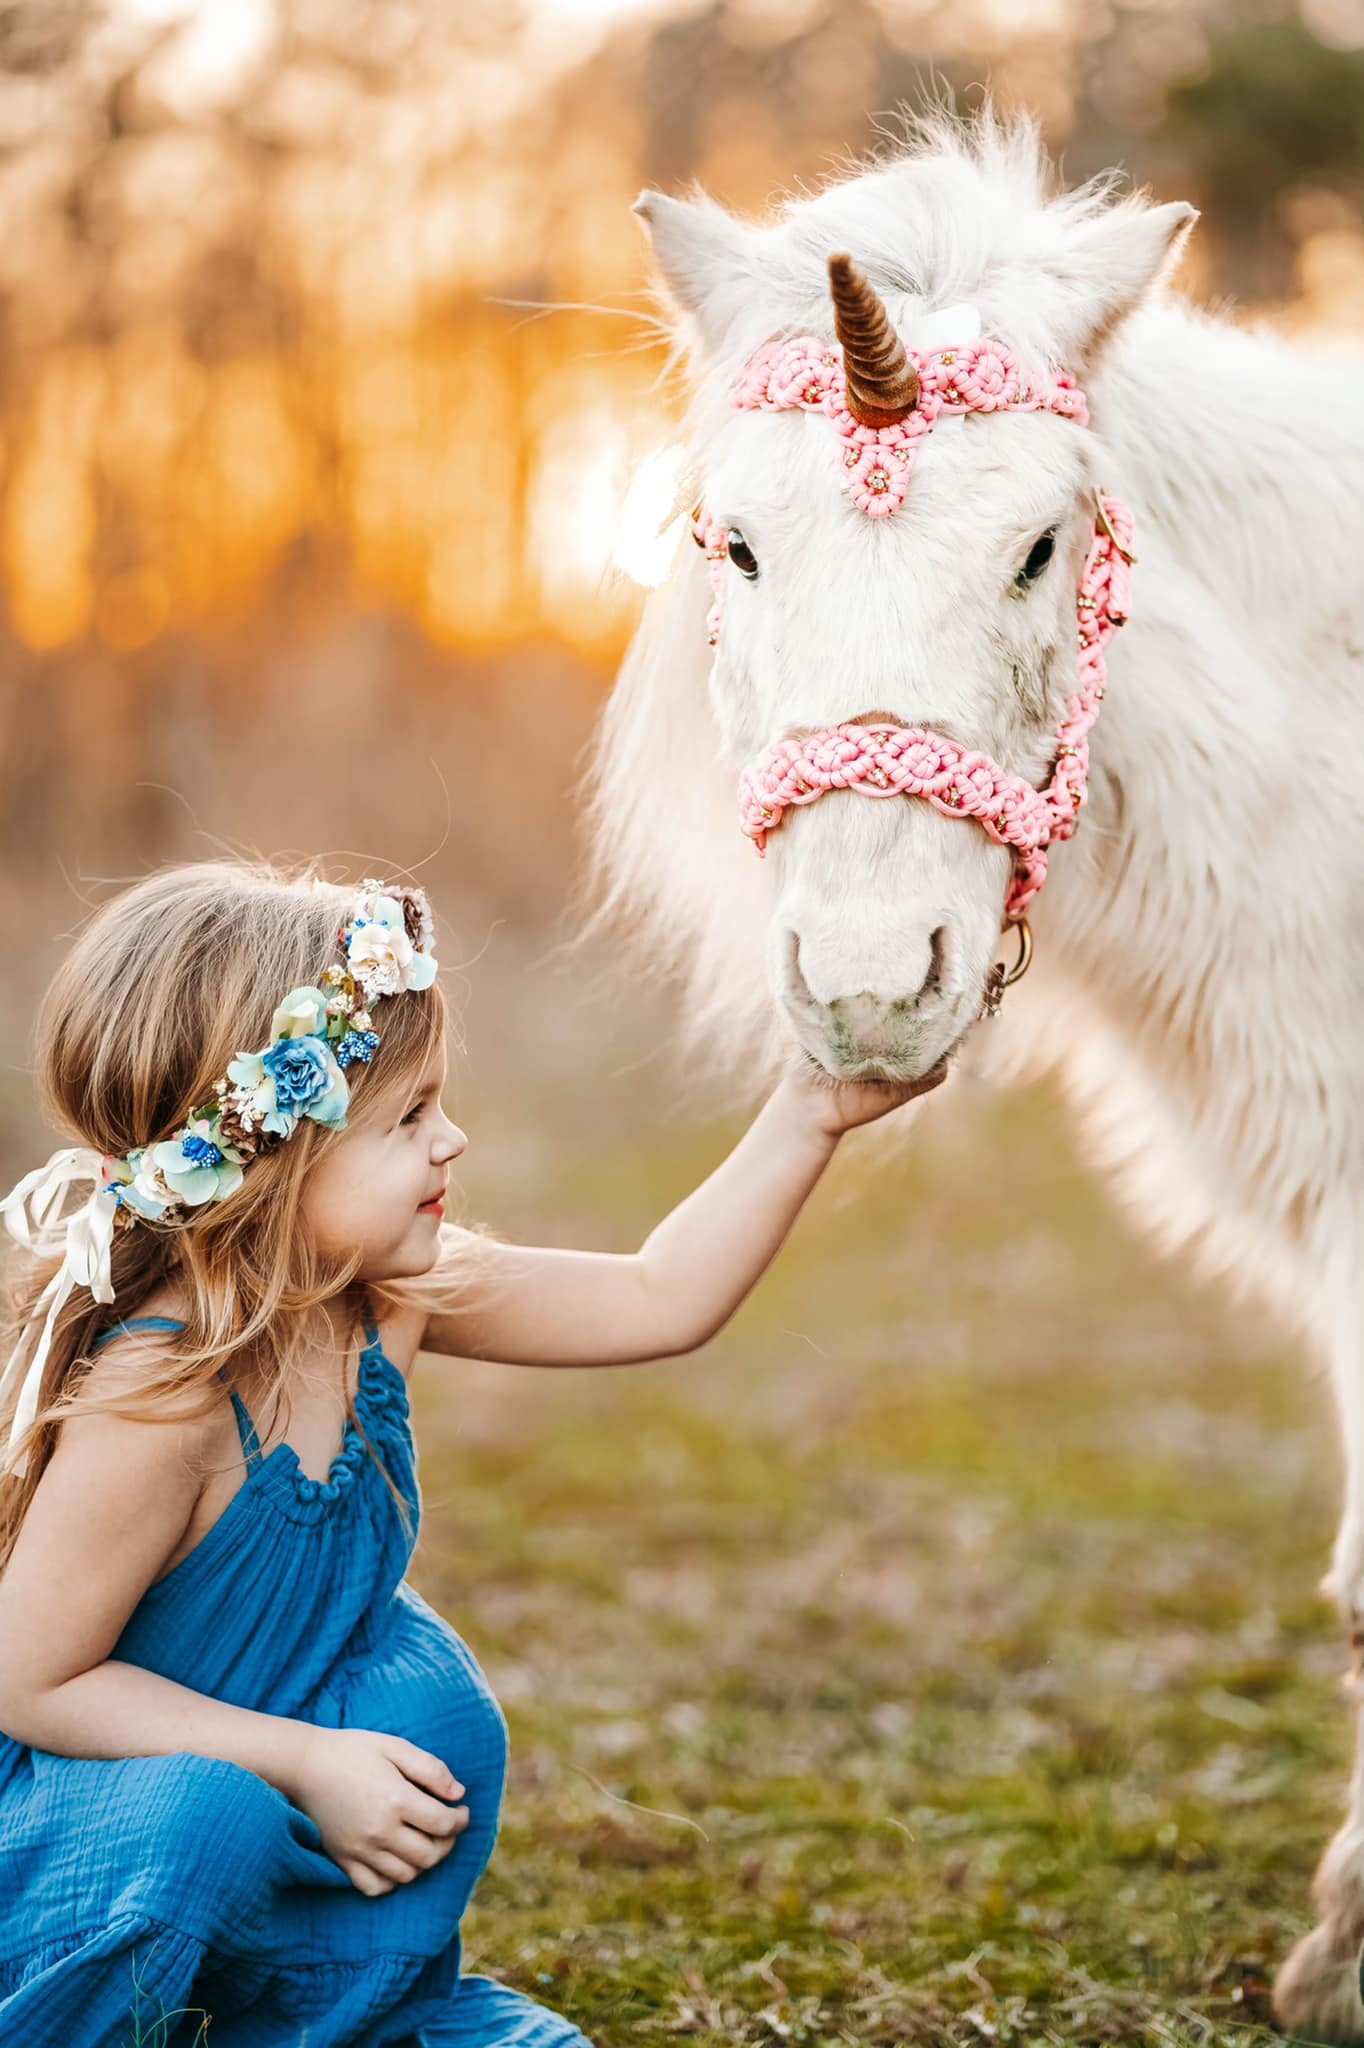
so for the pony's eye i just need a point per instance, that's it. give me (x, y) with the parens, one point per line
(1039, 554)
(742, 556)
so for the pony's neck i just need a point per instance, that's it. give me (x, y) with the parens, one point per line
(1242, 455)
(1243, 461)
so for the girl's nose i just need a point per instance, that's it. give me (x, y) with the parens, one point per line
(451, 1143)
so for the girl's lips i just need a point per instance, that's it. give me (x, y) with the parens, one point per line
(436, 1208)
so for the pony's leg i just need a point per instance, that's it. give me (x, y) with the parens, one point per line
(1317, 1995)
(1344, 1583)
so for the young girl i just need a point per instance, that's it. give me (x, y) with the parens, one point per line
(246, 1772)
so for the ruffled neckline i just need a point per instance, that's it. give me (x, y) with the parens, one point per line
(382, 1405)
(278, 1482)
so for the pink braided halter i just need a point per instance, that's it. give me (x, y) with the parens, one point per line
(887, 760)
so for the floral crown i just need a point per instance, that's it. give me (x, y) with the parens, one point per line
(386, 946)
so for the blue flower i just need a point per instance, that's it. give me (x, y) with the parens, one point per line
(292, 1078)
(307, 1080)
(298, 1068)
(357, 1045)
(198, 1164)
(202, 1151)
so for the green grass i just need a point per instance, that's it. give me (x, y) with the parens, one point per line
(936, 1659)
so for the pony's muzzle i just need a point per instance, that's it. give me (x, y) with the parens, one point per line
(894, 1031)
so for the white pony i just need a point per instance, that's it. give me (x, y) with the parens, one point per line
(1200, 945)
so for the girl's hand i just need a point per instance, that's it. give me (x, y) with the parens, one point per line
(382, 1805)
(839, 1106)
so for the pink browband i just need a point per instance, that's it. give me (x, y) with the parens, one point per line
(887, 760)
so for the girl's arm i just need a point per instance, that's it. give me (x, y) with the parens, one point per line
(112, 1504)
(524, 1305)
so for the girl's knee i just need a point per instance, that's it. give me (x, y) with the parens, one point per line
(209, 1823)
(222, 1793)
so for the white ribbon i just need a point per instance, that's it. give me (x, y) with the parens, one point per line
(31, 1213)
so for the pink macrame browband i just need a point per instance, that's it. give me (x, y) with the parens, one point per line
(888, 760)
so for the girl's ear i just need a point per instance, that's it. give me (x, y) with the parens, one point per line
(708, 260)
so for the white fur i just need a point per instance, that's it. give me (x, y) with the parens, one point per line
(1200, 945)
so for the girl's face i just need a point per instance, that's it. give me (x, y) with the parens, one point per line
(380, 1190)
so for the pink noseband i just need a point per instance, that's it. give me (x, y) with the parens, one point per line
(887, 760)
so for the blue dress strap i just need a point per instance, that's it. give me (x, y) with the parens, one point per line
(246, 1428)
(136, 1323)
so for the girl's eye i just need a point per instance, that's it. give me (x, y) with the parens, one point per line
(414, 1113)
(742, 556)
(1039, 554)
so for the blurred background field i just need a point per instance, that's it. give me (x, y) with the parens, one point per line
(935, 1659)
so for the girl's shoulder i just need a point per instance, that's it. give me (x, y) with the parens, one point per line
(131, 1356)
(145, 1336)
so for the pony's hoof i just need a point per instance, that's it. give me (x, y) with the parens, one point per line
(1316, 1996)
(1343, 1584)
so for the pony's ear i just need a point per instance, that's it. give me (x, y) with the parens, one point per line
(707, 259)
(1097, 271)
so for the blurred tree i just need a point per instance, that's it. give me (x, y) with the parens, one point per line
(1275, 111)
(257, 261)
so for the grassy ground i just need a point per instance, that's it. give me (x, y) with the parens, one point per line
(933, 1660)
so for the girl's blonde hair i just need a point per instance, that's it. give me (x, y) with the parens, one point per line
(164, 986)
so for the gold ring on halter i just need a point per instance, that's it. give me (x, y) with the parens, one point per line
(1024, 960)
(1107, 525)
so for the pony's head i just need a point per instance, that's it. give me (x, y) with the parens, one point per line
(889, 551)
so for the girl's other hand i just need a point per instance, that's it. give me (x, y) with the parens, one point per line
(838, 1106)
(384, 1807)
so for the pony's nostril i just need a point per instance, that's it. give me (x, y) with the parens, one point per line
(931, 985)
(797, 986)
(937, 961)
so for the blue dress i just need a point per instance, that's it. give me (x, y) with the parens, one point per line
(140, 1895)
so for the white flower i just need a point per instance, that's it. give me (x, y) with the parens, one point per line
(152, 1185)
(381, 957)
(243, 1100)
(300, 1015)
